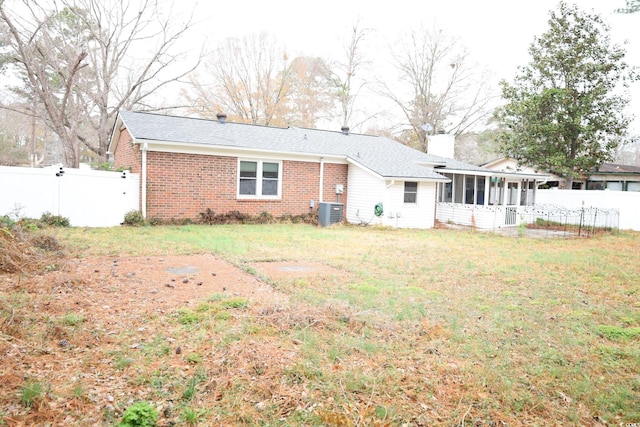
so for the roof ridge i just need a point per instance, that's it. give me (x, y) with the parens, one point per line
(205, 119)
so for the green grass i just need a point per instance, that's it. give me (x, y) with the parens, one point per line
(32, 392)
(432, 327)
(72, 319)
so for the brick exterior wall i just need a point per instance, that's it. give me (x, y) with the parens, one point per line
(181, 186)
(127, 155)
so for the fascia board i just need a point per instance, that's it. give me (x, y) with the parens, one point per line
(493, 173)
(115, 135)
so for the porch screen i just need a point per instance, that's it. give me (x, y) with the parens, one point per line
(480, 190)
(469, 189)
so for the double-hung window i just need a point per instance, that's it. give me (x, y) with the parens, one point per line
(259, 179)
(410, 192)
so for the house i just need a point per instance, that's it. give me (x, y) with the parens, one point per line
(507, 164)
(608, 176)
(189, 165)
(615, 177)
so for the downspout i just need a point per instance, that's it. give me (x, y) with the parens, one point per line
(321, 179)
(144, 180)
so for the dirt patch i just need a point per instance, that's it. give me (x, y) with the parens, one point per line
(144, 284)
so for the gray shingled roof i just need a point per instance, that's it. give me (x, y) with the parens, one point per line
(383, 156)
(617, 168)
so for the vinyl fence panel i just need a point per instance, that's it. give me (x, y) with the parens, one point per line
(88, 198)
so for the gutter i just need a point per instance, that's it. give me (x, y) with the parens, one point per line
(143, 191)
(321, 179)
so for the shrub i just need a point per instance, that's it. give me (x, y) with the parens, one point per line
(104, 166)
(235, 217)
(140, 414)
(6, 221)
(208, 216)
(54, 220)
(134, 218)
(46, 242)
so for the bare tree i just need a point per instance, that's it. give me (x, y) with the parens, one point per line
(439, 89)
(249, 79)
(345, 75)
(51, 58)
(84, 60)
(310, 97)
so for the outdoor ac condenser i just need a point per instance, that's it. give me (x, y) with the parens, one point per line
(329, 213)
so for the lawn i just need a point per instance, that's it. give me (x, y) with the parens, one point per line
(406, 327)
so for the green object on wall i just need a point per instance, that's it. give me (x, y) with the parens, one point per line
(377, 210)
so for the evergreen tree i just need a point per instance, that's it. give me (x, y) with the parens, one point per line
(564, 112)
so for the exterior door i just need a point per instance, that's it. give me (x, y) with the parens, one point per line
(511, 210)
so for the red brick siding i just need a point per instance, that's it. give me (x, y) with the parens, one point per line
(334, 174)
(127, 155)
(181, 186)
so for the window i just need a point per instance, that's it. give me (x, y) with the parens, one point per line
(259, 179)
(410, 192)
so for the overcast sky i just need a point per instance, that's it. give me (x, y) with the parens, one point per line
(497, 33)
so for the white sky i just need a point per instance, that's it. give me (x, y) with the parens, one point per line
(497, 33)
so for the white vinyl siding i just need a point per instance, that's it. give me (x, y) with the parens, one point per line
(366, 190)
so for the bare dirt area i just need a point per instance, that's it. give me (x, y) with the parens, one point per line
(149, 284)
(64, 328)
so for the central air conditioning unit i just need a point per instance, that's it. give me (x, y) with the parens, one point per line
(329, 213)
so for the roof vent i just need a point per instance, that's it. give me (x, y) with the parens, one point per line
(345, 130)
(222, 117)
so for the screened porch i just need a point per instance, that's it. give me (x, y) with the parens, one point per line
(484, 200)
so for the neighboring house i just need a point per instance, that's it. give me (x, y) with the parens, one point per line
(608, 176)
(189, 165)
(507, 164)
(611, 176)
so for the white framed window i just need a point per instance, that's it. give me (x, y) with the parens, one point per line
(410, 192)
(259, 179)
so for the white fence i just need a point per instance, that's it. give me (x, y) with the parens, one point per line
(627, 202)
(88, 198)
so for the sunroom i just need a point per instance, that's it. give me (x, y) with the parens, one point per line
(485, 199)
